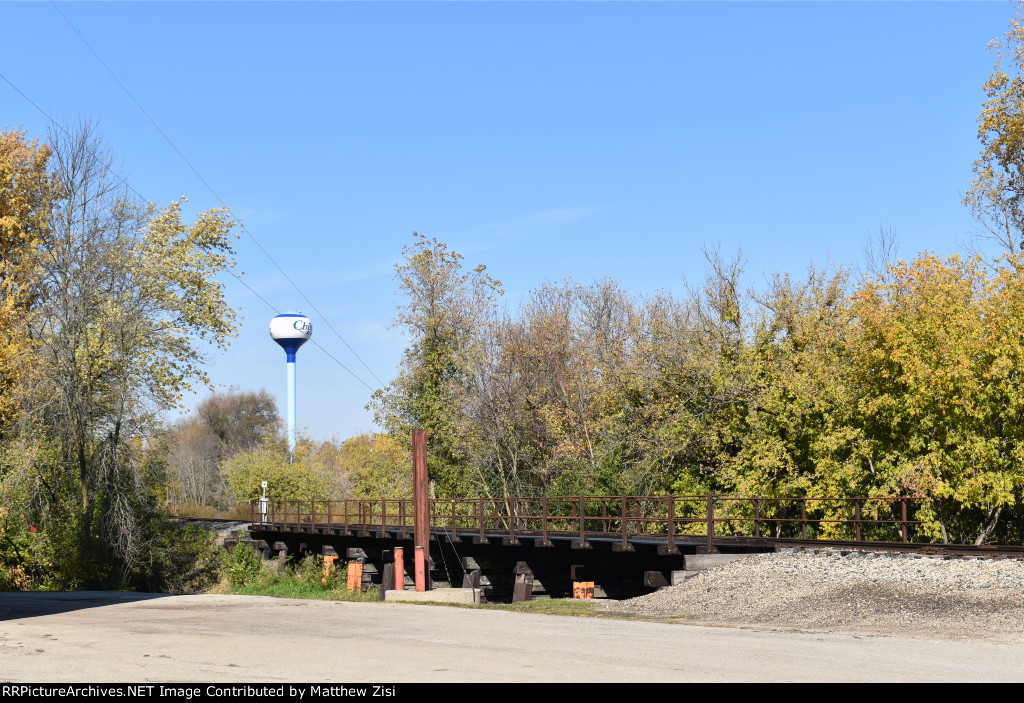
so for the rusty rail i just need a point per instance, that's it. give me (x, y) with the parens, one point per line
(670, 518)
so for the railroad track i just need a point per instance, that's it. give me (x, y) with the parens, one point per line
(929, 549)
(224, 520)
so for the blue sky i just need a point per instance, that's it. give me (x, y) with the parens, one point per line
(544, 140)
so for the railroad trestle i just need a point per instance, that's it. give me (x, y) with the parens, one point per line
(540, 546)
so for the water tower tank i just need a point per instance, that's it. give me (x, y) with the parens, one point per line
(291, 330)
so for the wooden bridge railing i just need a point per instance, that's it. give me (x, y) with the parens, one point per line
(662, 517)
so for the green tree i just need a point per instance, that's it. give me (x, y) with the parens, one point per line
(937, 358)
(688, 414)
(308, 476)
(441, 313)
(797, 423)
(377, 466)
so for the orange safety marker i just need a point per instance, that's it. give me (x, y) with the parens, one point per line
(421, 570)
(399, 569)
(355, 576)
(328, 568)
(583, 590)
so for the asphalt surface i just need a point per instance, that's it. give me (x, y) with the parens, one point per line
(120, 637)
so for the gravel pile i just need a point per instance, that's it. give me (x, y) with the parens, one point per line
(856, 593)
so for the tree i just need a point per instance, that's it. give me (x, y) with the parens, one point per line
(24, 226)
(936, 357)
(441, 316)
(223, 425)
(240, 419)
(307, 477)
(194, 454)
(376, 466)
(128, 297)
(544, 384)
(996, 195)
(688, 415)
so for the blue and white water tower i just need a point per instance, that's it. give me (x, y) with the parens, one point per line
(291, 330)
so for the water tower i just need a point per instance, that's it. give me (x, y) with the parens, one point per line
(291, 330)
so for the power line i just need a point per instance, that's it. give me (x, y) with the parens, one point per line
(215, 195)
(61, 128)
(151, 204)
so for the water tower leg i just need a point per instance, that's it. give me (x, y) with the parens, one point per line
(291, 407)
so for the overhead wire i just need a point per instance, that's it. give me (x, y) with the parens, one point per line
(221, 201)
(142, 197)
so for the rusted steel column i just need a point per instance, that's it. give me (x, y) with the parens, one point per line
(421, 570)
(803, 517)
(856, 516)
(757, 518)
(903, 503)
(421, 517)
(399, 569)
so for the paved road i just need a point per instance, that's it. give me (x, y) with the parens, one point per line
(117, 637)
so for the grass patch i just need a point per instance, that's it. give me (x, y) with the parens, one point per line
(284, 584)
(563, 606)
(553, 606)
(245, 573)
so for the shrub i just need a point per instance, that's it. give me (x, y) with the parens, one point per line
(182, 559)
(243, 565)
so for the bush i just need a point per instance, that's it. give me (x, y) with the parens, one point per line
(243, 565)
(301, 579)
(183, 559)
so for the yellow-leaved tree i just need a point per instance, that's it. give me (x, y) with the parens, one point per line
(126, 302)
(24, 225)
(996, 195)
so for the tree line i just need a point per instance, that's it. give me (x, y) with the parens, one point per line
(109, 309)
(904, 379)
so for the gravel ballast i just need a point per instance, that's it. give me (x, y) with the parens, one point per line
(860, 593)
